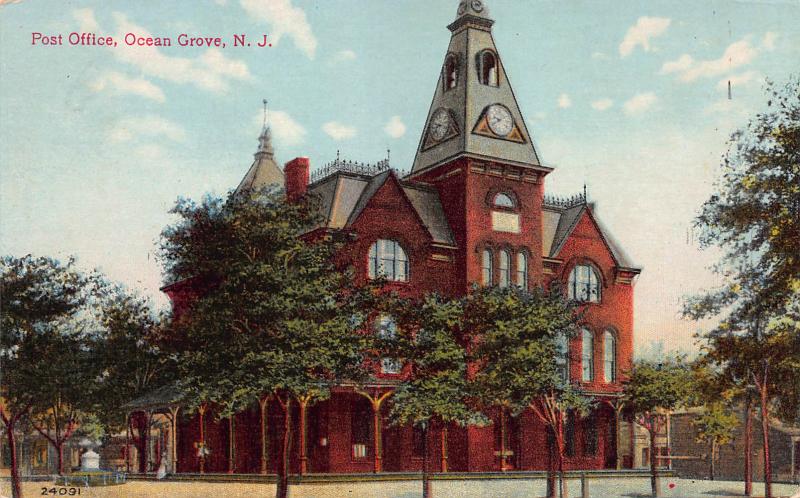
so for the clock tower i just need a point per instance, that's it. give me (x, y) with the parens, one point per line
(478, 153)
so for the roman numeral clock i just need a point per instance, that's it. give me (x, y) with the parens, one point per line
(496, 121)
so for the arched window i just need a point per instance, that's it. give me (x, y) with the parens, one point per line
(562, 357)
(522, 270)
(387, 259)
(584, 285)
(503, 200)
(386, 329)
(487, 62)
(609, 356)
(505, 268)
(487, 265)
(587, 355)
(450, 72)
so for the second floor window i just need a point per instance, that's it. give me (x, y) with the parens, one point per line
(584, 285)
(587, 355)
(609, 356)
(386, 328)
(522, 270)
(387, 259)
(487, 266)
(505, 268)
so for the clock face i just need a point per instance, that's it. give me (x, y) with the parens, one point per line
(440, 124)
(500, 121)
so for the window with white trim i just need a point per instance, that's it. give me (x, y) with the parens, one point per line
(587, 355)
(487, 267)
(584, 284)
(387, 259)
(522, 270)
(505, 268)
(503, 200)
(386, 329)
(609, 356)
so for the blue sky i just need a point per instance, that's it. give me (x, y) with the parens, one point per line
(629, 97)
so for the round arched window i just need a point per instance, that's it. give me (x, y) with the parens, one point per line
(450, 76)
(387, 259)
(503, 200)
(488, 67)
(584, 284)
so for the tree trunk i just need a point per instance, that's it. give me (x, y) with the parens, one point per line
(562, 484)
(426, 481)
(264, 435)
(748, 448)
(617, 420)
(283, 469)
(60, 451)
(16, 486)
(655, 484)
(765, 435)
(551, 468)
(713, 458)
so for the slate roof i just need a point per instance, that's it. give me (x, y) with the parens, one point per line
(343, 196)
(265, 170)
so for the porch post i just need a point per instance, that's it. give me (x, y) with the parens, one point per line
(303, 456)
(377, 429)
(444, 448)
(128, 442)
(631, 441)
(263, 403)
(201, 410)
(231, 444)
(503, 464)
(174, 416)
(146, 441)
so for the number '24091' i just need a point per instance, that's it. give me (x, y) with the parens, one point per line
(61, 491)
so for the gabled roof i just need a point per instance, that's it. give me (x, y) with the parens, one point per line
(343, 197)
(558, 223)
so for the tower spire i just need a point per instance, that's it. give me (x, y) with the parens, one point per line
(265, 139)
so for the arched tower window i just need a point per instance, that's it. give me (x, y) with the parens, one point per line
(505, 268)
(487, 266)
(450, 72)
(609, 356)
(584, 284)
(522, 270)
(388, 259)
(503, 200)
(587, 355)
(488, 68)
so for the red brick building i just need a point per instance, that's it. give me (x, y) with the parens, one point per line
(472, 210)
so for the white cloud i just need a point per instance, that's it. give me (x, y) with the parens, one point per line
(737, 54)
(599, 56)
(86, 20)
(641, 33)
(285, 129)
(395, 128)
(564, 101)
(284, 18)
(150, 126)
(122, 84)
(742, 79)
(338, 131)
(768, 42)
(639, 103)
(602, 104)
(343, 55)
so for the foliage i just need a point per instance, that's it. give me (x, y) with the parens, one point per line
(657, 387)
(715, 424)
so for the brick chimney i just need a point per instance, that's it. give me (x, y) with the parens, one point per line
(295, 173)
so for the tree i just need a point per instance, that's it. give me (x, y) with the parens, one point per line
(653, 390)
(435, 390)
(275, 318)
(754, 217)
(516, 338)
(714, 426)
(36, 293)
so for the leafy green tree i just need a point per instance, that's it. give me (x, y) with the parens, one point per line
(36, 294)
(435, 391)
(653, 390)
(130, 351)
(516, 338)
(714, 426)
(754, 217)
(275, 315)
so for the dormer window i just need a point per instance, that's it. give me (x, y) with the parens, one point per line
(503, 200)
(488, 70)
(584, 284)
(450, 72)
(388, 260)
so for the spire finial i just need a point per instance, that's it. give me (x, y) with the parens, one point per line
(585, 200)
(264, 124)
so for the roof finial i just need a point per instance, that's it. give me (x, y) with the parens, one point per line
(264, 124)
(585, 200)
(388, 154)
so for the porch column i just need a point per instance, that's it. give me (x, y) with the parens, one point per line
(503, 463)
(231, 444)
(444, 448)
(303, 402)
(632, 441)
(263, 404)
(377, 429)
(173, 412)
(128, 443)
(201, 449)
(146, 441)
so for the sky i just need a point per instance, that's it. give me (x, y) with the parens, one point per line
(630, 98)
